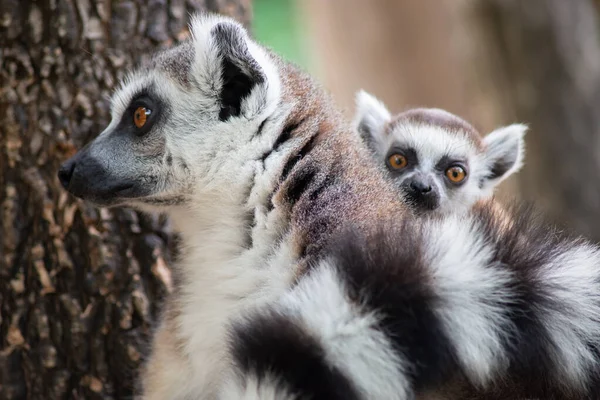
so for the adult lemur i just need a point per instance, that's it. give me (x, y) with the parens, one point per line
(302, 275)
(438, 161)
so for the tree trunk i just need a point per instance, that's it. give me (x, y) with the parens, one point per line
(404, 52)
(79, 287)
(549, 51)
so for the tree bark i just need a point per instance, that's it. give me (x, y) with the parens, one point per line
(549, 51)
(79, 287)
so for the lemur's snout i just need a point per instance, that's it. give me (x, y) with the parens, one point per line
(420, 187)
(84, 177)
(65, 173)
(422, 193)
(71, 176)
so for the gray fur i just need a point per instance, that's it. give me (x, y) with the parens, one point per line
(176, 62)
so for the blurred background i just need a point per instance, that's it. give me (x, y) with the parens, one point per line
(80, 287)
(492, 62)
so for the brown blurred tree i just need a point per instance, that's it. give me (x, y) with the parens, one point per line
(548, 52)
(493, 62)
(406, 52)
(409, 53)
(79, 287)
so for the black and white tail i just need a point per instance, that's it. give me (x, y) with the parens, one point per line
(510, 308)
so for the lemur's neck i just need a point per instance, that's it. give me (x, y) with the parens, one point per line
(238, 219)
(223, 270)
(213, 231)
(248, 218)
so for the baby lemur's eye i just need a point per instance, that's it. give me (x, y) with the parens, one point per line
(397, 161)
(456, 174)
(140, 116)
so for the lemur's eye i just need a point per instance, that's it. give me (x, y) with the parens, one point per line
(140, 116)
(456, 174)
(397, 161)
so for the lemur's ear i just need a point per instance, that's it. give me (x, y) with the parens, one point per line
(504, 153)
(230, 65)
(370, 119)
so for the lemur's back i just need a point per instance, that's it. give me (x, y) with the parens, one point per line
(328, 182)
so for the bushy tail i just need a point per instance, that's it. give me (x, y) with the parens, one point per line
(507, 306)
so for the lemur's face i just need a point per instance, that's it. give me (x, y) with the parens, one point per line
(432, 174)
(189, 116)
(438, 161)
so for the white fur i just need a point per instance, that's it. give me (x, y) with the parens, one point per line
(474, 295)
(250, 387)
(371, 113)
(473, 304)
(348, 334)
(208, 72)
(220, 282)
(219, 272)
(505, 142)
(133, 83)
(573, 278)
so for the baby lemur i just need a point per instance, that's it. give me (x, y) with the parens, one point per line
(438, 161)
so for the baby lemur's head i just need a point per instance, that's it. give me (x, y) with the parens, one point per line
(437, 160)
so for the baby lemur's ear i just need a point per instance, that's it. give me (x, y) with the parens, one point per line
(231, 69)
(370, 119)
(504, 153)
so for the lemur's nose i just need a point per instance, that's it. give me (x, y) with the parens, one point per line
(65, 173)
(420, 187)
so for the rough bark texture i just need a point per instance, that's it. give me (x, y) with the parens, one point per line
(549, 51)
(79, 287)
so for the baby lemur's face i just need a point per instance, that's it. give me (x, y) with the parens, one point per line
(438, 161)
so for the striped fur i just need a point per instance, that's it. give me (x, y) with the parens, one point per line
(512, 310)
